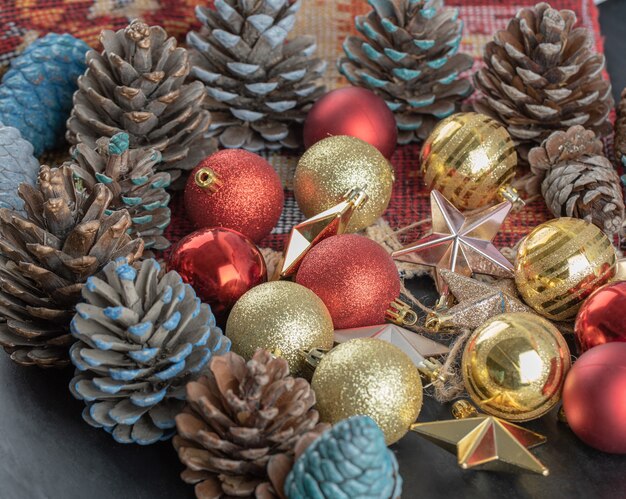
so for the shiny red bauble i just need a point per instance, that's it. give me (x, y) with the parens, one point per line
(594, 398)
(355, 278)
(602, 317)
(353, 111)
(220, 264)
(236, 189)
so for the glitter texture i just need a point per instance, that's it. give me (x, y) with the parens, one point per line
(280, 315)
(355, 278)
(371, 378)
(332, 167)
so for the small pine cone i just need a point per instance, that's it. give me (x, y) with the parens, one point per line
(141, 338)
(242, 422)
(410, 58)
(17, 165)
(577, 180)
(130, 175)
(620, 130)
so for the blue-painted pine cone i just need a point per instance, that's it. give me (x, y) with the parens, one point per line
(17, 165)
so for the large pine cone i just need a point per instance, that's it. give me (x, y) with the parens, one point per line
(542, 75)
(17, 165)
(141, 338)
(137, 85)
(409, 57)
(258, 86)
(46, 257)
(576, 179)
(239, 417)
(130, 175)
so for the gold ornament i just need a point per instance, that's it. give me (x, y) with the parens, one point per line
(333, 166)
(369, 377)
(283, 317)
(560, 263)
(514, 366)
(470, 158)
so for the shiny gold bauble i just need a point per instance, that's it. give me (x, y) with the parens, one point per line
(369, 377)
(514, 366)
(471, 159)
(560, 263)
(281, 317)
(333, 166)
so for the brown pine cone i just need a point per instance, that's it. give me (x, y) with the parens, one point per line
(620, 130)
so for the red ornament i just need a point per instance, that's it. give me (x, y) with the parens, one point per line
(236, 189)
(353, 111)
(355, 278)
(594, 398)
(220, 264)
(602, 317)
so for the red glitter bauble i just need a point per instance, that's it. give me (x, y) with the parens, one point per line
(353, 111)
(594, 398)
(602, 317)
(241, 192)
(355, 278)
(220, 264)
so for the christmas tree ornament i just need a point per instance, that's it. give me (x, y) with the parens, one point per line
(602, 317)
(17, 165)
(401, 313)
(542, 74)
(355, 278)
(137, 85)
(361, 464)
(471, 160)
(36, 92)
(594, 398)
(407, 53)
(259, 85)
(141, 337)
(220, 264)
(333, 166)
(254, 413)
(282, 317)
(460, 243)
(576, 179)
(130, 175)
(416, 346)
(620, 129)
(356, 112)
(305, 235)
(514, 366)
(560, 263)
(371, 378)
(47, 256)
(235, 189)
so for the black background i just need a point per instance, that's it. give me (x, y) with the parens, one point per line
(47, 451)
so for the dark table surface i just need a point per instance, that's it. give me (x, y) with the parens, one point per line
(47, 451)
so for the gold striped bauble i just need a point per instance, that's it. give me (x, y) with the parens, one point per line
(469, 158)
(560, 263)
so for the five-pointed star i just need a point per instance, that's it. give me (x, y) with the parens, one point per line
(416, 346)
(460, 243)
(486, 442)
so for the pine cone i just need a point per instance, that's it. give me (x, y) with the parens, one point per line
(36, 92)
(577, 180)
(620, 130)
(240, 418)
(141, 338)
(542, 75)
(46, 257)
(17, 165)
(409, 57)
(258, 86)
(129, 174)
(137, 85)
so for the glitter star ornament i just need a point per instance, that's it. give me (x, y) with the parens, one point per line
(461, 243)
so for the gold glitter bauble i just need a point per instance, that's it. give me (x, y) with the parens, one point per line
(333, 166)
(369, 377)
(469, 158)
(280, 315)
(560, 263)
(514, 366)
